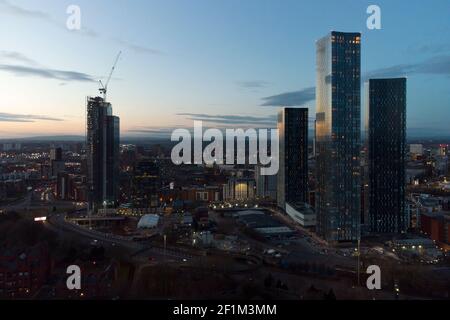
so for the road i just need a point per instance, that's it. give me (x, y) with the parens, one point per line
(312, 248)
(19, 204)
(29, 202)
(138, 251)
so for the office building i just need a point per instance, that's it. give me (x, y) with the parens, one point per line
(293, 156)
(416, 149)
(386, 129)
(7, 147)
(56, 154)
(146, 184)
(62, 186)
(338, 136)
(57, 164)
(266, 186)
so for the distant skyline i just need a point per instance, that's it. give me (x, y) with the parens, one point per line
(227, 63)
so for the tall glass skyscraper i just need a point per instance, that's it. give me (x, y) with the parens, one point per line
(338, 135)
(293, 153)
(386, 129)
(102, 141)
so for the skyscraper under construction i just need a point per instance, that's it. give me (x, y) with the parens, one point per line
(102, 142)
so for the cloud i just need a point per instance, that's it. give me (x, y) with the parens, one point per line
(291, 99)
(167, 132)
(13, 117)
(62, 75)
(19, 11)
(43, 16)
(400, 70)
(156, 132)
(152, 130)
(138, 48)
(253, 84)
(14, 120)
(33, 68)
(86, 32)
(439, 65)
(16, 56)
(221, 122)
(430, 48)
(232, 119)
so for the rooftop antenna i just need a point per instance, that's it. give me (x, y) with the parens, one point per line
(104, 88)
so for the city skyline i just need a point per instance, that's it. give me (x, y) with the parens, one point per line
(207, 64)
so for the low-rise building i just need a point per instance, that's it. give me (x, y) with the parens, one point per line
(240, 189)
(436, 226)
(201, 193)
(416, 149)
(149, 221)
(302, 213)
(23, 272)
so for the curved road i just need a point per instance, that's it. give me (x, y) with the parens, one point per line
(138, 250)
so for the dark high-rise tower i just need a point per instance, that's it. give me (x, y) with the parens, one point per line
(56, 154)
(102, 140)
(293, 153)
(386, 129)
(338, 96)
(56, 160)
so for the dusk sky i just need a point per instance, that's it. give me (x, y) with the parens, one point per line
(230, 63)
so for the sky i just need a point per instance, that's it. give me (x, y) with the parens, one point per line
(229, 63)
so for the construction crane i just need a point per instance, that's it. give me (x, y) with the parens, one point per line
(104, 88)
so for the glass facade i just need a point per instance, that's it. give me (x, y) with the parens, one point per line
(102, 141)
(293, 153)
(338, 136)
(386, 129)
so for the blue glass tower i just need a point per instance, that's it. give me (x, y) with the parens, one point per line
(338, 135)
